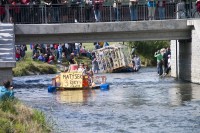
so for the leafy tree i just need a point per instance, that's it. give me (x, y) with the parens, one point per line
(146, 49)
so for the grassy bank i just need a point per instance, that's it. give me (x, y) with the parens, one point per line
(27, 66)
(17, 118)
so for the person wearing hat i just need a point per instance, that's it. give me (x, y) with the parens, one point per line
(6, 91)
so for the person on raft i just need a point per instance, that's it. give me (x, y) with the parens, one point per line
(6, 91)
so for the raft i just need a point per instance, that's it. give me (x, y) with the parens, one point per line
(113, 59)
(77, 81)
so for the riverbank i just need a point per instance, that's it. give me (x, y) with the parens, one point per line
(18, 118)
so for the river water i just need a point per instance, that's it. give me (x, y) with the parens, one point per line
(135, 103)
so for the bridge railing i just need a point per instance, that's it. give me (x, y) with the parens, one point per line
(32, 14)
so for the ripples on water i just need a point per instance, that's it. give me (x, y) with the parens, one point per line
(136, 103)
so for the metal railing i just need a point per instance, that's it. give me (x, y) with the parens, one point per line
(38, 14)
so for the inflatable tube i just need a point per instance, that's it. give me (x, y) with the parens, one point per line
(51, 89)
(104, 87)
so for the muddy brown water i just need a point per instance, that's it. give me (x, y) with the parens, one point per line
(135, 103)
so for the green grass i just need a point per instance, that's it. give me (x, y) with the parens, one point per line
(27, 66)
(18, 118)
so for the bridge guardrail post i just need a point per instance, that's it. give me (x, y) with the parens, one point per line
(110, 14)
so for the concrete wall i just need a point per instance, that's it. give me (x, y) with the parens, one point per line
(102, 31)
(7, 51)
(188, 57)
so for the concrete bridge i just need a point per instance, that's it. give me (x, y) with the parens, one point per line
(185, 51)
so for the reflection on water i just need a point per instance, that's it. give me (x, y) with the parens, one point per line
(74, 96)
(184, 92)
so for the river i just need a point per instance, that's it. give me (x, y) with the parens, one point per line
(138, 102)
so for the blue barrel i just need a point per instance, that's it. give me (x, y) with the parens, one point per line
(51, 89)
(104, 87)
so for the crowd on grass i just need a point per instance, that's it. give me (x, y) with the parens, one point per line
(163, 61)
(58, 53)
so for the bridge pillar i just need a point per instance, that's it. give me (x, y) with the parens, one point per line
(185, 57)
(7, 51)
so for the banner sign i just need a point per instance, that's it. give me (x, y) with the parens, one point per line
(71, 80)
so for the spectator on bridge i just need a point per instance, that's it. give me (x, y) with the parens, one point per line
(133, 7)
(198, 5)
(64, 11)
(56, 5)
(161, 9)
(75, 10)
(88, 10)
(151, 4)
(2, 11)
(117, 9)
(14, 11)
(98, 5)
(48, 16)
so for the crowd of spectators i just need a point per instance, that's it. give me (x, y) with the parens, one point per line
(52, 53)
(61, 11)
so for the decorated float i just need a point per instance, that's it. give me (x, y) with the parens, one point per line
(115, 58)
(74, 80)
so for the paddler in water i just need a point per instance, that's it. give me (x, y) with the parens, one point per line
(6, 91)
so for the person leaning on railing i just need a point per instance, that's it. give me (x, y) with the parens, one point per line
(2, 11)
(98, 5)
(64, 11)
(117, 9)
(151, 4)
(75, 10)
(161, 8)
(198, 5)
(88, 10)
(133, 7)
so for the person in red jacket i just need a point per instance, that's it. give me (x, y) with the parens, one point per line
(17, 54)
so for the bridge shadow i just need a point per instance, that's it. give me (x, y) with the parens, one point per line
(185, 60)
